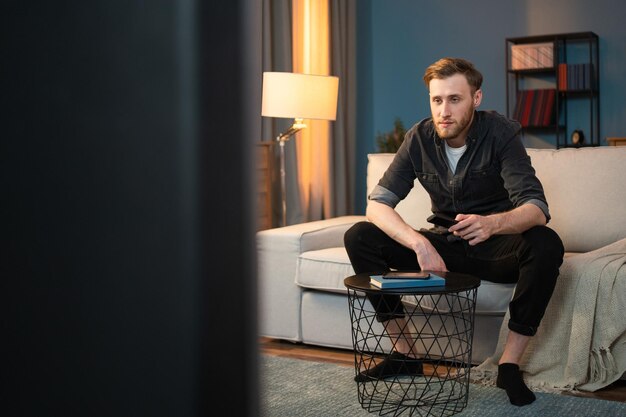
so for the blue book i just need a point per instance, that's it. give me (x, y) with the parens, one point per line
(406, 281)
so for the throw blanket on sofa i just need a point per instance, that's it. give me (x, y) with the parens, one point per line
(581, 343)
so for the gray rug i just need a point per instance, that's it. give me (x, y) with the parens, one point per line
(292, 387)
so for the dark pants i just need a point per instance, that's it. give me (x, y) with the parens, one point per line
(531, 259)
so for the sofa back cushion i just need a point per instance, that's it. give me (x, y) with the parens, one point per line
(416, 207)
(586, 193)
(585, 189)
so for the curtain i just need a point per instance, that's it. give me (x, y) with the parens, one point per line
(311, 55)
(277, 57)
(324, 42)
(343, 142)
(315, 37)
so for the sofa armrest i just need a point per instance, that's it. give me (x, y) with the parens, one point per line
(303, 237)
(277, 256)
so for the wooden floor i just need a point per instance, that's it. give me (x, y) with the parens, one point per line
(614, 392)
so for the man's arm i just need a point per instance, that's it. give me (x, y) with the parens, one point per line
(390, 222)
(475, 228)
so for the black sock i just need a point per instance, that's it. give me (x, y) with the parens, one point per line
(393, 365)
(510, 379)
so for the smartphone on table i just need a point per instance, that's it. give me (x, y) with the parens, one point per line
(406, 275)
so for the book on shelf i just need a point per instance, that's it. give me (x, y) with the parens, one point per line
(535, 107)
(575, 77)
(548, 109)
(562, 83)
(532, 56)
(433, 280)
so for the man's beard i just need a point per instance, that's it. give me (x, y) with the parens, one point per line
(456, 128)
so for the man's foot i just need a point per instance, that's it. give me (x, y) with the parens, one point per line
(510, 379)
(394, 364)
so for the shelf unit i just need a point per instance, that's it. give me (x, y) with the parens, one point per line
(567, 49)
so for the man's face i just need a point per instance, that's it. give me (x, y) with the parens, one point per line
(452, 106)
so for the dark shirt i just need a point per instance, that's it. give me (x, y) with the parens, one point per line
(494, 174)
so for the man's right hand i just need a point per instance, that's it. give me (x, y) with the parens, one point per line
(390, 222)
(427, 256)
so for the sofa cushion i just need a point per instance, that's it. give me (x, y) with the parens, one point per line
(491, 299)
(586, 202)
(326, 269)
(416, 207)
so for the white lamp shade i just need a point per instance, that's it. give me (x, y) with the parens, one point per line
(303, 96)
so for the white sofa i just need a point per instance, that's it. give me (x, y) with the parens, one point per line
(302, 267)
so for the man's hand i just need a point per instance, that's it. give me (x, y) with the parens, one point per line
(390, 222)
(474, 228)
(427, 256)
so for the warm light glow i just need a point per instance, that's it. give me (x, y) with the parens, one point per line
(311, 55)
(303, 96)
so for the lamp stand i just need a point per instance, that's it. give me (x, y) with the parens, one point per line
(281, 139)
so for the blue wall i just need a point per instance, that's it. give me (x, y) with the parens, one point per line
(398, 39)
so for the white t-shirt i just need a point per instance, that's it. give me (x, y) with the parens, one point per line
(454, 154)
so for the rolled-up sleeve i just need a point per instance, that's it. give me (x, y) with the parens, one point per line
(382, 195)
(399, 177)
(542, 206)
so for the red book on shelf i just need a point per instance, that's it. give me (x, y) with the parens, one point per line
(537, 110)
(562, 84)
(530, 95)
(548, 113)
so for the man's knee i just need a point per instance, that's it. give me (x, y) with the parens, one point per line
(545, 242)
(362, 243)
(357, 234)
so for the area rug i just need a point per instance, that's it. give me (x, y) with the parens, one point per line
(293, 387)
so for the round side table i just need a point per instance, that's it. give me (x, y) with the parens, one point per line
(438, 322)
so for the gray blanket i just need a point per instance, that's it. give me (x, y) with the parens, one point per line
(581, 343)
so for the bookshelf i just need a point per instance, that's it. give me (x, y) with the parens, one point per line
(553, 86)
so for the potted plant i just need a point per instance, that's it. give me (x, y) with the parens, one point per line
(390, 142)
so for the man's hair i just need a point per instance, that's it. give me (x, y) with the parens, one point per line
(447, 67)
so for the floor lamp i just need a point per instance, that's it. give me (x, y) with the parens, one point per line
(299, 97)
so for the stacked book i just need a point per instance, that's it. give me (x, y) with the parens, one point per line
(532, 56)
(574, 77)
(535, 107)
(396, 279)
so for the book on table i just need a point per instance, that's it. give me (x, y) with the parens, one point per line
(406, 280)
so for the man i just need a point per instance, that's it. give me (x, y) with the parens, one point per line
(476, 170)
